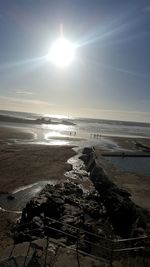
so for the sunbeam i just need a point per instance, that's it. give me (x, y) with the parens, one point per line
(18, 64)
(113, 32)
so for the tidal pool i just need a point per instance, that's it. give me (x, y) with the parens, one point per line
(140, 165)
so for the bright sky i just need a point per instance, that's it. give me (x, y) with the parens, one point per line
(110, 74)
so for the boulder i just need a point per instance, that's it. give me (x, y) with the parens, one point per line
(88, 150)
(10, 197)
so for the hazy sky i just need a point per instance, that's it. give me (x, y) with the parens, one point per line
(110, 76)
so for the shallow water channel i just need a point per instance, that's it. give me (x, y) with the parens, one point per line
(21, 196)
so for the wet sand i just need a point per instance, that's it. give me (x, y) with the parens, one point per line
(22, 165)
(7, 133)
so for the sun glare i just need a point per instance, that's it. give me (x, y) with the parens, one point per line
(62, 52)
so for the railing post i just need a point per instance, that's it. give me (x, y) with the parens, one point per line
(112, 254)
(24, 264)
(77, 247)
(11, 252)
(47, 243)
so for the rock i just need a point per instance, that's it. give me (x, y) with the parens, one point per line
(22, 237)
(84, 158)
(79, 191)
(51, 209)
(92, 209)
(68, 167)
(90, 165)
(122, 192)
(97, 173)
(87, 150)
(11, 197)
(37, 222)
(69, 219)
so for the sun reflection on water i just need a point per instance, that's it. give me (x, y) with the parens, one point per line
(58, 127)
(53, 135)
(59, 143)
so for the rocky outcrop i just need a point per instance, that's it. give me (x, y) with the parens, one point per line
(59, 211)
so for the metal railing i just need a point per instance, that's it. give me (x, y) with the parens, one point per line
(85, 243)
(88, 244)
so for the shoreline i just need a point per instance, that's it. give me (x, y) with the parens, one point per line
(28, 133)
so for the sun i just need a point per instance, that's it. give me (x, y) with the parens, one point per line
(62, 52)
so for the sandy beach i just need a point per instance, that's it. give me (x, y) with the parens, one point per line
(15, 133)
(22, 165)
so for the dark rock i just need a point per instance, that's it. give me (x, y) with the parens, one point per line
(79, 191)
(122, 192)
(37, 222)
(11, 197)
(87, 150)
(68, 167)
(22, 237)
(90, 165)
(48, 195)
(84, 158)
(92, 209)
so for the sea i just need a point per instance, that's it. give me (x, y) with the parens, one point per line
(73, 131)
